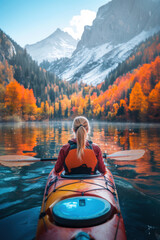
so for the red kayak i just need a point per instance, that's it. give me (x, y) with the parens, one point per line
(80, 207)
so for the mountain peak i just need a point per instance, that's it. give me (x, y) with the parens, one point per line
(58, 33)
(58, 30)
(57, 45)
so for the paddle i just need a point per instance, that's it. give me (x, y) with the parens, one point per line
(127, 155)
(21, 160)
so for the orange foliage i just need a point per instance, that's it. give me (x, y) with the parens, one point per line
(137, 99)
(13, 97)
(19, 100)
(145, 77)
(154, 101)
(135, 91)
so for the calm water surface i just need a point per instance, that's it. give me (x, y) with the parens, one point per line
(138, 182)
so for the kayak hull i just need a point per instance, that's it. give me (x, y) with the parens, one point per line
(61, 187)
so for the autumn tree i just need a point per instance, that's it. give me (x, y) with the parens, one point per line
(13, 98)
(137, 102)
(154, 102)
(45, 110)
(122, 112)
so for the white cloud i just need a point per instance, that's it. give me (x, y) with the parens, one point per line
(78, 22)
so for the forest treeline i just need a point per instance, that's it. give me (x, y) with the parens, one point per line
(131, 92)
(46, 86)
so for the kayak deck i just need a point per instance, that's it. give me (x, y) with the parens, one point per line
(62, 189)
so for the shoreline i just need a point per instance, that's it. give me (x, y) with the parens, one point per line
(70, 120)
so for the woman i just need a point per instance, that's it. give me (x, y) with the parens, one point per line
(79, 155)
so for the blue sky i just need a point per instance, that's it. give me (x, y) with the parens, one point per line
(29, 21)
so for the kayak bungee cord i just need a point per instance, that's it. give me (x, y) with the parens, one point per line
(79, 181)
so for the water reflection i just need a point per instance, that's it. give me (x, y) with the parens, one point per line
(137, 181)
(45, 139)
(33, 139)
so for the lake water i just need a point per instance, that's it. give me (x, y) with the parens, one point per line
(138, 181)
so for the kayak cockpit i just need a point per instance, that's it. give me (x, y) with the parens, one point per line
(80, 211)
(80, 176)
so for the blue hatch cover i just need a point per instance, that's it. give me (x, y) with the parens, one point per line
(81, 211)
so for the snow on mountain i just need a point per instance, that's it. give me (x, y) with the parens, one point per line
(119, 21)
(119, 26)
(58, 45)
(92, 65)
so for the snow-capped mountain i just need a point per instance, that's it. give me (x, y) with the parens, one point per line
(58, 45)
(119, 26)
(93, 65)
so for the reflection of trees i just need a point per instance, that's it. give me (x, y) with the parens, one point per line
(146, 168)
(17, 140)
(34, 139)
(106, 138)
(112, 139)
(45, 140)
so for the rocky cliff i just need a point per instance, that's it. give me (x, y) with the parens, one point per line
(119, 26)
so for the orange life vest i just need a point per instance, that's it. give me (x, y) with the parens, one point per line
(86, 165)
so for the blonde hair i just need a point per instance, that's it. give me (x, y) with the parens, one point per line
(81, 128)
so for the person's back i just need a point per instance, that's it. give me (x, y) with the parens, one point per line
(76, 165)
(80, 156)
